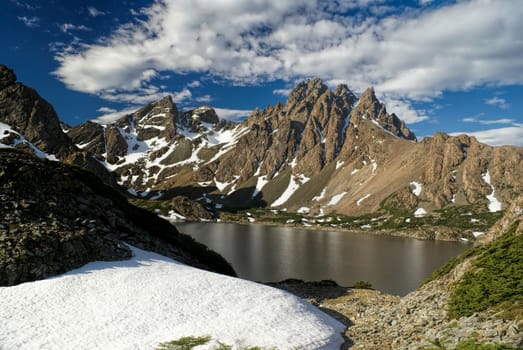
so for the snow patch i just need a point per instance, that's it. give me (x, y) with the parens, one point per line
(138, 303)
(262, 181)
(477, 234)
(221, 185)
(303, 179)
(291, 188)
(337, 198)
(359, 201)
(303, 210)
(320, 197)
(339, 164)
(6, 130)
(173, 216)
(420, 212)
(494, 205)
(417, 188)
(354, 171)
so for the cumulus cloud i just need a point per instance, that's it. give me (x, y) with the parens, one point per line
(498, 102)
(31, 22)
(407, 56)
(512, 135)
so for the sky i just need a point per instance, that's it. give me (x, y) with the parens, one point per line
(450, 66)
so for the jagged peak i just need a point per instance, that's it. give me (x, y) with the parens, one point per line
(7, 76)
(343, 90)
(205, 113)
(303, 89)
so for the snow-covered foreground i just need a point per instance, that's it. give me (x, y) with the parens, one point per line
(138, 303)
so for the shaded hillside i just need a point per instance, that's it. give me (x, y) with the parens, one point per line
(57, 217)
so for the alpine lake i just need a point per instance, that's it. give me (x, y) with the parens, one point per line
(262, 253)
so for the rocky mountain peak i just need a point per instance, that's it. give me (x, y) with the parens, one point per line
(306, 92)
(37, 127)
(7, 76)
(342, 90)
(205, 114)
(369, 107)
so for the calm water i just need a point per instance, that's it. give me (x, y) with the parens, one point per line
(269, 254)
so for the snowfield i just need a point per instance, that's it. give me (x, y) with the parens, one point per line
(494, 204)
(138, 303)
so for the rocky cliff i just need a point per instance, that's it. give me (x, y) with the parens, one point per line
(57, 217)
(30, 122)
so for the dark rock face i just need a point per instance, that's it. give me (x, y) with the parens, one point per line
(23, 109)
(7, 77)
(56, 218)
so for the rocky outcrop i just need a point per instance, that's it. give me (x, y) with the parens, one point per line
(27, 113)
(56, 218)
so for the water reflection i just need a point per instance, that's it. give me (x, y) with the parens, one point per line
(265, 253)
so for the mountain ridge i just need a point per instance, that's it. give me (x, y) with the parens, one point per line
(322, 151)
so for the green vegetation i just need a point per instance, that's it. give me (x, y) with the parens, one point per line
(362, 285)
(471, 217)
(188, 343)
(451, 264)
(185, 343)
(470, 345)
(496, 277)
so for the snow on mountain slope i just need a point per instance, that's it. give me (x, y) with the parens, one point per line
(6, 131)
(138, 303)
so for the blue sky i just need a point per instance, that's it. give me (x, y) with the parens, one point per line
(451, 66)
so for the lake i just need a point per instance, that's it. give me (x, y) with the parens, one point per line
(394, 265)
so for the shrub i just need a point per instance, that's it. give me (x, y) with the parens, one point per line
(362, 285)
(496, 277)
(185, 343)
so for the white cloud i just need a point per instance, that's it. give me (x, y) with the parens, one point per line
(498, 102)
(410, 56)
(403, 109)
(93, 11)
(203, 99)
(193, 84)
(512, 135)
(282, 92)
(31, 22)
(232, 114)
(489, 122)
(106, 110)
(109, 117)
(67, 27)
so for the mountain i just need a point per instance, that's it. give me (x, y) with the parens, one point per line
(29, 122)
(322, 151)
(57, 217)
